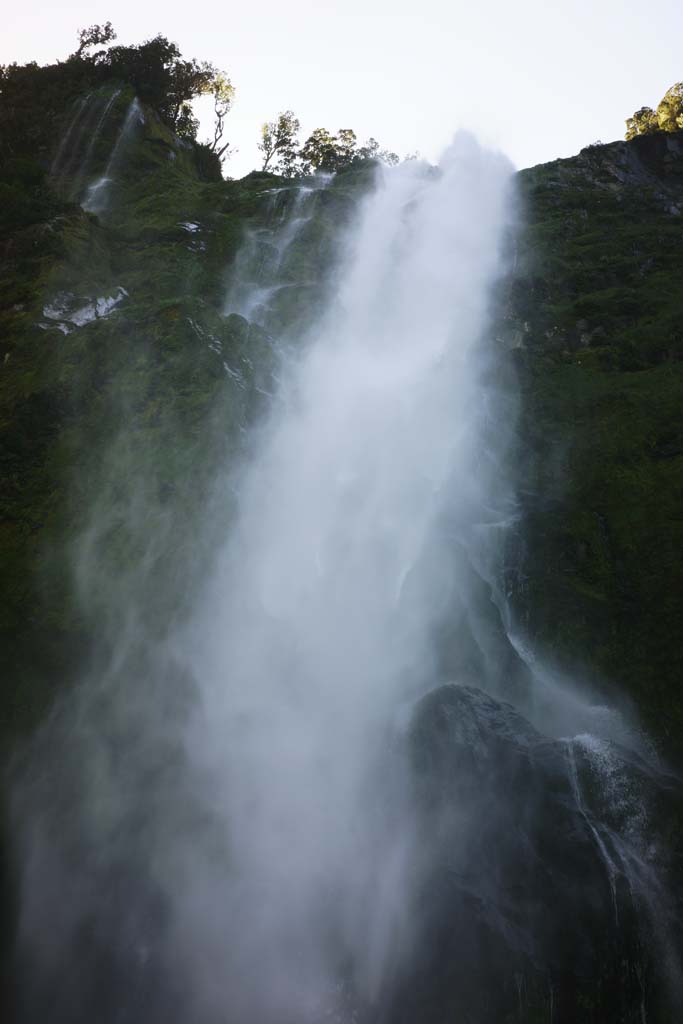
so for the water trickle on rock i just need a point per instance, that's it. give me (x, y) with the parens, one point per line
(78, 148)
(263, 269)
(311, 826)
(86, 162)
(64, 149)
(97, 196)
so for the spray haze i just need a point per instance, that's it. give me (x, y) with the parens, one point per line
(319, 619)
(261, 804)
(272, 835)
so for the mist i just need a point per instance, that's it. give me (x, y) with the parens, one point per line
(318, 621)
(235, 813)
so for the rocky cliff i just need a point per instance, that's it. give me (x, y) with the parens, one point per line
(593, 315)
(117, 361)
(112, 332)
(125, 383)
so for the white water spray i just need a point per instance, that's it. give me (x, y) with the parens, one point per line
(86, 161)
(319, 620)
(97, 196)
(72, 164)
(264, 849)
(261, 271)
(65, 145)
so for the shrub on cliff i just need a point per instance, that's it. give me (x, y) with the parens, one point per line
(668, 117)
(34, 98)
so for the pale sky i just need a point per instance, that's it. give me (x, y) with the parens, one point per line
(538, 80)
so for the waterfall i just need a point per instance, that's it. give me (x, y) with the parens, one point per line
(73, 160)
(69, 134)
(97, 195)
(610, 867)
(262, 273)
(318, 623)
(258, 812)
(85, 164)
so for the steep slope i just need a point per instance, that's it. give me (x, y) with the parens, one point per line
(116, 318)
(116, 360)
(125, 381)
(593, 315)
(122, 384)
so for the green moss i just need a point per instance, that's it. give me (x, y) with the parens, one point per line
(127, 412)
(131, 400)
(597, 303)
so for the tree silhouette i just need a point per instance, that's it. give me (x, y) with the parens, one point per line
(96, 35)
(279, 138)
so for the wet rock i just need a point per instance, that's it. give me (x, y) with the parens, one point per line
(538, 895)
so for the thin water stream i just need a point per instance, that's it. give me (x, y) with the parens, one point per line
(281, 848)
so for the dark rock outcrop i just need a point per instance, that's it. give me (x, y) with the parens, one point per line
(540, 894)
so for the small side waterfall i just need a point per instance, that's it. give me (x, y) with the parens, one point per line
(74, 158)
(265, 268)
(79, 150)
(64, 150)
(611, 868)
(622, 793)
(86, 163)
(97, 196)
(336, 783)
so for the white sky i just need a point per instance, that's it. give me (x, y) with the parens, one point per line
(538, 79)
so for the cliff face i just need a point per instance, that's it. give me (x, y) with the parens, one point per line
(120, 376)
(593, 316)
(113, 337)
(124, 386)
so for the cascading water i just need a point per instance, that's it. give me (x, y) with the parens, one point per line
(86, 163)
(263, 272)
(271, 815)
(97, 195)
(75, 155)
(318, 623)
(64, 149)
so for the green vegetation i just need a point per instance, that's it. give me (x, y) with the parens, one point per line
(114, 428)
(321, 151)
(134, 408)
(32, 97)
(279, 138)
(325, 152)
(591, 317)
(223, 93)
(95, 35)
(163, 79)
(593, 320)
(668, 117)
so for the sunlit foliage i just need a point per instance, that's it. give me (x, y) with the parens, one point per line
(668, 117)
(670, 109)
(279, 139)
(223, 92)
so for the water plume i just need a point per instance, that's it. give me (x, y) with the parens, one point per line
(266, 807)
(319, 620)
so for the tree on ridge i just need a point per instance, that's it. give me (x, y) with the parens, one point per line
(95, 35)
(223, 92)
(280, 137)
